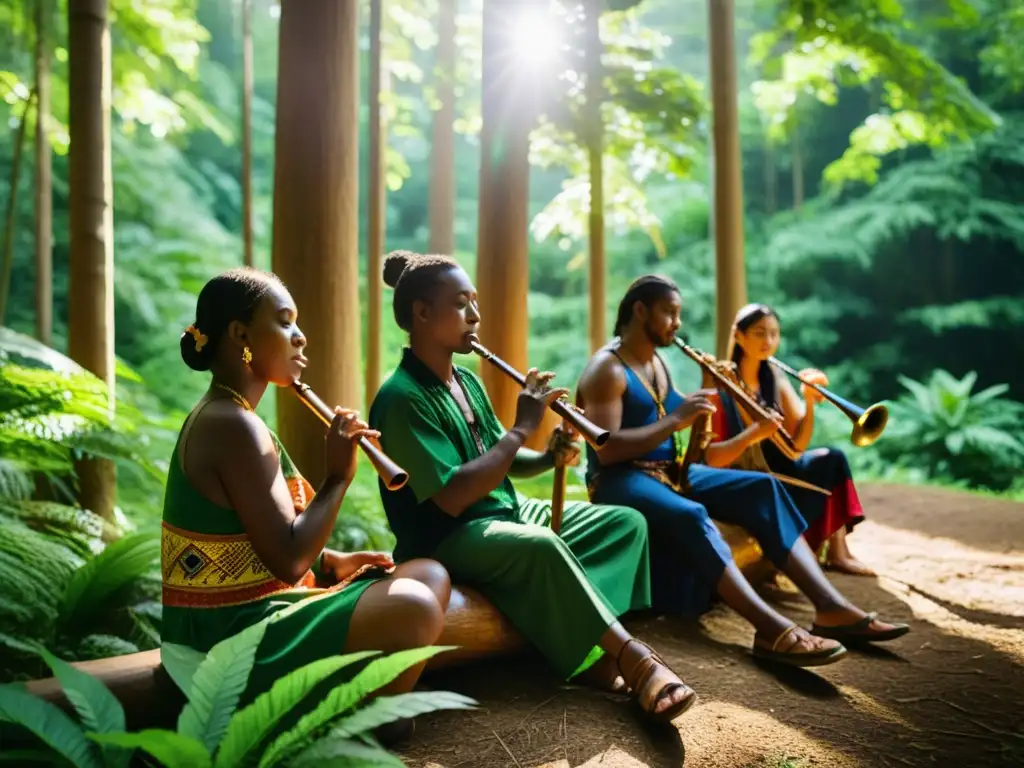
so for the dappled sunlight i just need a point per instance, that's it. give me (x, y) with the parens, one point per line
(720, 734)
(1006, 641)
(948, 570)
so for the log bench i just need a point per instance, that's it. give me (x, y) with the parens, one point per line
(151, 699)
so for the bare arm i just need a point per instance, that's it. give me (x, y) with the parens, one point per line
(723, 453)
(601, 388)
(248, 467)
(798, 414)
(530, 463)
(477, 478)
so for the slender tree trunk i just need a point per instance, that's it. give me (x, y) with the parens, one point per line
(509, 113)
(377, 207)
(247, 89)
(44, 178)
(316, 236)
(442, 155)
(730, 272)
(7, 254)
(796, 149)
(91, 279)
(595, 154)
(771, 178)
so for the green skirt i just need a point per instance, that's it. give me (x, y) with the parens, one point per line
(562, 592)
(314, 631)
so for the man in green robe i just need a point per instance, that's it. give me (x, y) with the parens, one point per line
(563, 592)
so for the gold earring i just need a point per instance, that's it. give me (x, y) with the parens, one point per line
(246, 355)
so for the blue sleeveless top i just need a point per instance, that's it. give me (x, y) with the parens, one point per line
(638, 410)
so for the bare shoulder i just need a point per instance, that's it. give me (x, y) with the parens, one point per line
(603, 374)
(225, 430)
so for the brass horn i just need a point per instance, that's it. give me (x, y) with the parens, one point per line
(868, 423)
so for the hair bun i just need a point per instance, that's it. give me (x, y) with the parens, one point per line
(196, 360)
(395, 264)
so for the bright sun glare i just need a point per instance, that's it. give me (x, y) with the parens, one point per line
(535, 39)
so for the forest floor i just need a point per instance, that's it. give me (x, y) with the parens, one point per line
(950, 693)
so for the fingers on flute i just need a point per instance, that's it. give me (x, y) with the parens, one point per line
(369, 434)
(551, 395)
(531, 379)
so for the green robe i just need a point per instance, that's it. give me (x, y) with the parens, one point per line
(561, 592)
(214, 584)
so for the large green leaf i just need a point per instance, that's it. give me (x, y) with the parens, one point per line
(51, 725)
(387, 709)
(98, 708)
(173, 750)
(344, 753)
(376, 674)
(181, 663)
(251, 725)
(218, 684)
(120, 564)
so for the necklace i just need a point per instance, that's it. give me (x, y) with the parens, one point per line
(236, 396)
(678, 448)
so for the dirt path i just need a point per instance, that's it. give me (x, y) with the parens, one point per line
(951, 693)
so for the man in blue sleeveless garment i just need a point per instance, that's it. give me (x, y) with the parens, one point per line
(626, 388)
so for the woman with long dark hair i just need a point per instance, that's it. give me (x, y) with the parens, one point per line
(755, 338)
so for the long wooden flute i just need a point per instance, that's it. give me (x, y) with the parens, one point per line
(394, 476)
(592, 433)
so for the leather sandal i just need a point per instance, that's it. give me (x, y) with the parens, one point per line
(652, 680)
(794, 658)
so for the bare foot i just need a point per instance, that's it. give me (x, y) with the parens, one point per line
(849, 565)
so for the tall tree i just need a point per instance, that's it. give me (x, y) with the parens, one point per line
(442, 159)
(44, 177)
(90, 192)
(247, 91)
(730, 271)
(594, 127)
(316, 238)
(509, 111)
(377, 209)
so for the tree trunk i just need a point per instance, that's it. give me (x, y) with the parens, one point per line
(44, 178)
(509, 112)
(798, 165)
(377, 208)
(730, 273)
(7, 254)
(594, 127)
(771, 178)
(90, 192)
(442, 156)
(316, 237)
(247, 89)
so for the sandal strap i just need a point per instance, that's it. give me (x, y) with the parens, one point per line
(639, 679)
(783, 635)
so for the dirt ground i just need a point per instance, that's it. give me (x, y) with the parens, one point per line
(951, 693)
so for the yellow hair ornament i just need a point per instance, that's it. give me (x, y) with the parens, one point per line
(199, 337)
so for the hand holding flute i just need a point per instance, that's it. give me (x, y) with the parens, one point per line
(349, 428)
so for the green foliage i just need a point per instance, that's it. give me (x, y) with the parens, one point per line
(213, 731)
(819, 47)
(650, 114)
(975, 437)
(64, 589)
